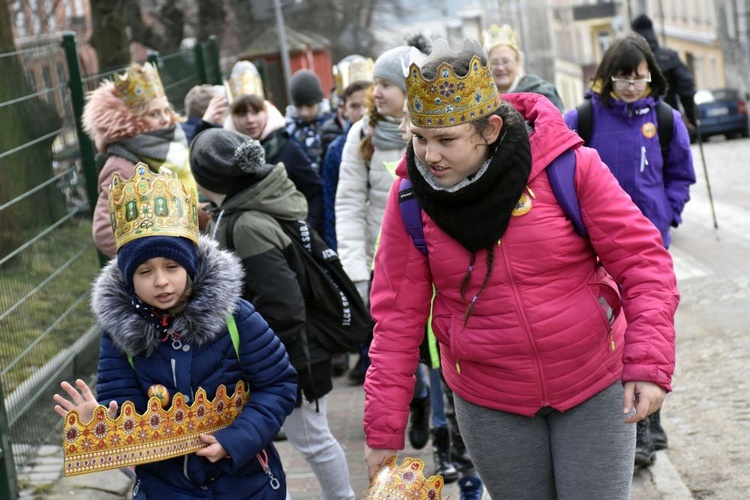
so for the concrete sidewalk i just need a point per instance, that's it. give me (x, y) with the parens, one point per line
(658, 482)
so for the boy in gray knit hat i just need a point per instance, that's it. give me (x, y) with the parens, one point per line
(307, 114)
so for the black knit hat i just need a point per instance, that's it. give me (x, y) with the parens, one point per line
(134, 253)
(226, 162)
(642, 23)
(305, 88)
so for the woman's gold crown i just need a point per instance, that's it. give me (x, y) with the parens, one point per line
(501, 35)
(449, 99)
(404, 482)
(139, 85)
(151, 204)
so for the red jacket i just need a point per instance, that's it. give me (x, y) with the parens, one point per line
(538, 335)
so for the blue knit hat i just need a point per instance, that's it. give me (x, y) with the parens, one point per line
(136, 252)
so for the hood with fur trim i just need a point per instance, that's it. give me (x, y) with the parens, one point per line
(217, 286)
(106, 119)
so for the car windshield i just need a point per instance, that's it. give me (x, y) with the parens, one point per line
(705, 96)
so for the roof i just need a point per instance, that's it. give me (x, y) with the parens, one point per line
(268, 43)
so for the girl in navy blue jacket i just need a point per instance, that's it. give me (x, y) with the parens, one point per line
(163, 303)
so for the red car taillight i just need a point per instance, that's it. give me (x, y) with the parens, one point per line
(742, 107)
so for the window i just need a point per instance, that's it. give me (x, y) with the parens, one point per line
(61, 79)
(729, 18)
(604, 39)
(20, 19)
(47, 80)
(31, 80)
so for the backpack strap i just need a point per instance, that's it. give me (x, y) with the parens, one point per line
(411, 214)
(561, 174)
(585, 120)
(665, 127)
(231, 221)
(234, 334)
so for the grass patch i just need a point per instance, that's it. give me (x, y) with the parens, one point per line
(44, 304)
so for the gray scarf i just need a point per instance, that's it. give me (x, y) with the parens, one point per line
(387, 135)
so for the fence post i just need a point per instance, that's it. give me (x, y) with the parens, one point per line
(213, 55)
(78, 100)
(153, 58)
(8, 483)
(200, 64)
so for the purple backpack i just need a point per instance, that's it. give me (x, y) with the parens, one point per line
(560, 172)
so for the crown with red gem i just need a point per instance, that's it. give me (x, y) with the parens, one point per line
(158, 434)
(449, 99)
(404, 482)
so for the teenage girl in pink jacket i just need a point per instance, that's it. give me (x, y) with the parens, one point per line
(550, 364)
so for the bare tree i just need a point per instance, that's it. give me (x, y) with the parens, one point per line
(25, 121)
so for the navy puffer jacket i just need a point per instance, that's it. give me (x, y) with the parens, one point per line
(205, 359)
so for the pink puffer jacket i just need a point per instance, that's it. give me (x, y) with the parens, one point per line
(538, 335)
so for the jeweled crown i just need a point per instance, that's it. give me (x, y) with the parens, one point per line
(139, 85)
(352, 69)
(501, 35)
(449, 99)
(151, 204)
(404, 482)
(245, 80)
(157, 434)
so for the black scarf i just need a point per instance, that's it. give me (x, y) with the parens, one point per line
(478, 214)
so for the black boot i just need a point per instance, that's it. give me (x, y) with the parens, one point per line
(658, 436)
(357, 374)
(441, 446)
(419, 431)
(339, 364)
(645, 453)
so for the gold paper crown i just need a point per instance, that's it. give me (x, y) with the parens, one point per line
(449, 99)
(150, 204)
(501, 35)
(404, 482)
(158, 434)
(245, 80)
(139, 85)
(352, 69)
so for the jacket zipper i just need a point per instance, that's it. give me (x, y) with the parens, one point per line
(644, 160)
(527, 329)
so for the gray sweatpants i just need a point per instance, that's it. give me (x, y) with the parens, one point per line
(584, 453)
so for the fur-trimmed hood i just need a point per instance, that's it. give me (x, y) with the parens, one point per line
(106, 119)
(216, 288)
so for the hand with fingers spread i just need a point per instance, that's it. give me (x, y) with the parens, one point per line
(214, 451)
(82, 400)
(647, 397)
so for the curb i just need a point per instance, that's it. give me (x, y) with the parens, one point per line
(667, 480)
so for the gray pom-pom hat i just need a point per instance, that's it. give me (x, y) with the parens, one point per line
(226, 162)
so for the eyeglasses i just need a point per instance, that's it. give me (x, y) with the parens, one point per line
(624, 83)
(499, 63)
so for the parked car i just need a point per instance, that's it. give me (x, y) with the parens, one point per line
(722, 111)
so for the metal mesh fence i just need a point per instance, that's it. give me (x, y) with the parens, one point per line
(47, 256)
(47, 259)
